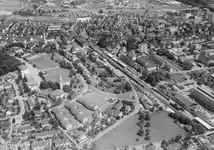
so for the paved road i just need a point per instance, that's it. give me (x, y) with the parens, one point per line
(78, 148)
(198, 69)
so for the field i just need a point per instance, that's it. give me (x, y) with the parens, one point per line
(96, 98)
(162, 127)
(10, 5)
(42, 62)
(53, 74)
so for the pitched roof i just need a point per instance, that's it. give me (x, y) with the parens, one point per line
(184, 100)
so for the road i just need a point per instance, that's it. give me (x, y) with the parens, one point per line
(70, 138)
(169, 63)
(198, 69)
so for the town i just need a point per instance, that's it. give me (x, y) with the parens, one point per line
(106, 75)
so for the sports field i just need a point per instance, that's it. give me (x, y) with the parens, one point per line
(162, 127)
(54, 74)
(42, 62)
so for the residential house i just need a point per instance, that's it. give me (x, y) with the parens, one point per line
(45, 122)
(18, 120)
(206, 59)
(114, 113)
(61, 143)
(37, 113)
(41, 145)
(118, 106)
(43, 94)
(47, 134)
(30, 102)
(56, 94)
(27, 128)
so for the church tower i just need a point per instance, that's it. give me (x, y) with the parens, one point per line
(60, 82)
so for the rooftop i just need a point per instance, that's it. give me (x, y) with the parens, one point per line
(179, 77)
(184, 100)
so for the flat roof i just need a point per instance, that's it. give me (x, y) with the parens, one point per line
(178, 77)
(205, 124)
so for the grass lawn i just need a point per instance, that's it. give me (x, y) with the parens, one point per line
(42, 62)
(53, 75)
(162, 127)
(126, 96)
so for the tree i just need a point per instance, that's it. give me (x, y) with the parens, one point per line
(52, 85)
(93, 146)
(164, 143)
(148, 124)
(13, 121)
(57, 85)
(44, 85)
(100, 11)
(178, 138)
(147, 138)
(140, 133)
(66, 88)
(160, 108)
(147, 117)
(54, 122)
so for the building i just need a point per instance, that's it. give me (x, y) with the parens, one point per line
(114, 113)
(61, 143)
(183, 101)
(144, 48)
(31, 103)
(83, 19)
(56, 27)
(41, 145)
(56, 94)
(203, 98)
(67, 121)
(47, 134)
(18, 120)
(27, 128)
(118, 106)
(45, 122)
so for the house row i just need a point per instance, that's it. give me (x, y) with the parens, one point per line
(67, 121)
(41, 145)
(47, 134)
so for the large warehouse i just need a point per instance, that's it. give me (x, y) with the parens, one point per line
(203, 98)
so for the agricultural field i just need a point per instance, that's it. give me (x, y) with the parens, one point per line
(162, 127)
(10, 5)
